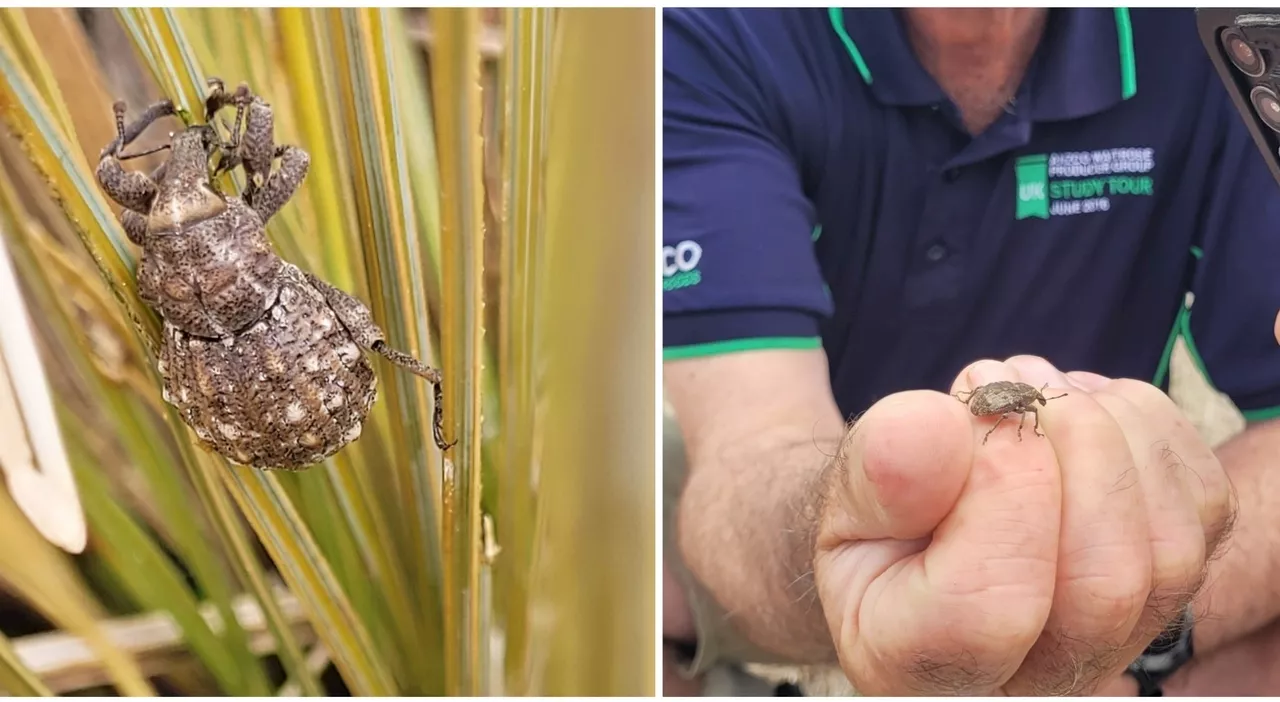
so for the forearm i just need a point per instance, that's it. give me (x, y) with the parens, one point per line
(1242, 592)
(745, 524)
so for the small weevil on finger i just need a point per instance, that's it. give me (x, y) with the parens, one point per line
(263, 361)
(1006, 397)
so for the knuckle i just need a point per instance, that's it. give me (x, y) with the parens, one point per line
(1179, 566)
(1002, 630)
(1112, 602)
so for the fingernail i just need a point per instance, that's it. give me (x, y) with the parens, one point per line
(1037, 371)
(1089, 382)
(984, 372)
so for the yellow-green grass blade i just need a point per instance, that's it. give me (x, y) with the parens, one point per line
(269, 511)
(204, 467)
(424, 172)
(74, 188)
(154, 582)
(336, 231)
(44, 577)
(166, 52)
(16, 679)
(456, 86)
(524, 76)
(596, 583)
(373, 145)
(313, 493)
(17, 33)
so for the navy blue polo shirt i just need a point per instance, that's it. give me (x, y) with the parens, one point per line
(820, 189)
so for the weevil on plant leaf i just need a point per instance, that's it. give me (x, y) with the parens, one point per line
(1006, 397)
(265, 362)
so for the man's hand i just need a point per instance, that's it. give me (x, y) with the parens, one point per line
(1032, 567)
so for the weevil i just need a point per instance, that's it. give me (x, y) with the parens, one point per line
(1006, 397)
(266, 363)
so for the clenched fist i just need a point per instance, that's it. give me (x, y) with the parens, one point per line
(1033, 567)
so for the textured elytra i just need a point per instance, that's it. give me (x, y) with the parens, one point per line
(264, 362)
(1006, 397)
(290, 390)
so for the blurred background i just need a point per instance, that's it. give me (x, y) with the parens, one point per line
(484, 180)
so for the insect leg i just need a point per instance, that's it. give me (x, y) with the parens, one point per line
(988, 434)
(281, 185)
(131, 189)
(964, 400)
(1022, 419)
(1036, 428)
(135, 226)
(358, 321)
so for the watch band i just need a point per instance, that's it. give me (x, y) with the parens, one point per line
(1169, 652)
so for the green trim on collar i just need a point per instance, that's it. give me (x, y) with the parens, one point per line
(836, 14)
(1260, 415)
(1162, 370)
(716, 348)
(1128, 64)
(1124, 33)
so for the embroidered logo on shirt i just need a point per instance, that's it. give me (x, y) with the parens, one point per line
(1080, 182)
(680, 265)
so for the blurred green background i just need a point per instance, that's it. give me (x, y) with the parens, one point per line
(484, 180)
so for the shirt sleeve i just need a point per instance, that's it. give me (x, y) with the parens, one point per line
(1229, 325)
(738, 264)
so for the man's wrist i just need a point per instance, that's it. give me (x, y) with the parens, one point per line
(1169, 652)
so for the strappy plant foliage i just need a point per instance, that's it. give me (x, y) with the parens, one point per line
(491, 198)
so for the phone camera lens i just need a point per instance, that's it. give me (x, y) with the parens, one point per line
(1267, 105)
(1244, 55)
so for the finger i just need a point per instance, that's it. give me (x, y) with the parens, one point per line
(1277, 329)
(1175, 534)
(1038, 372)
(1104, 562)
(959, 617)
(1090, 382)
(887, 492)
(1187, 457)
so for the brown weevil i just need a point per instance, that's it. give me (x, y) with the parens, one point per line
(1006, 397)
(264, 362)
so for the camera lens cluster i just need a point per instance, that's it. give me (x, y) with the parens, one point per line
(1252, 61)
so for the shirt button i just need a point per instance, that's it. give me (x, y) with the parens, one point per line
(936, 253)
(951, 174)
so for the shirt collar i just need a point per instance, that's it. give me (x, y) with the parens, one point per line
(1084, 64)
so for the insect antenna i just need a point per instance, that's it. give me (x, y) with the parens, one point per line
(148, 152)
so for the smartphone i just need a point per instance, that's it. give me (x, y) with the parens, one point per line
(1244, 45)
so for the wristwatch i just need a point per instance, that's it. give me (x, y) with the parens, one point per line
(1163, 657)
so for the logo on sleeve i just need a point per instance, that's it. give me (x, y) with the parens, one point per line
(1080, 182)
(680, 266)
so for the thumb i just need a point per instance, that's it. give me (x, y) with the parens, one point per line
(899, 471)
